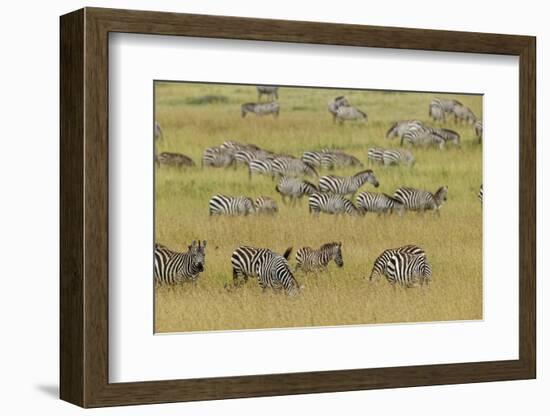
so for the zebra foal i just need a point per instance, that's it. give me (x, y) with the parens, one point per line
(309, 259)
(171, 267)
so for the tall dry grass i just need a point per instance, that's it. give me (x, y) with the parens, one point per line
(453, 240)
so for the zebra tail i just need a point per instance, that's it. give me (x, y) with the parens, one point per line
(286, 254)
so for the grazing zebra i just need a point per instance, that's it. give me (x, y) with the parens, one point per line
(294, 188)
(450, 136)
(436, 111)
(381, 262)
(331, 158)
(171, 267)
(262, 167)
(236, 146)
(309, 259)
(463, 113)
(335, 104)
(399, 128)
(159, 135)
(419, 200)
(217, 157)
(230, 205)
(422, 136)
(260, 109)
(392, 157)
(376, 155)
(331, 204)
(265, 205)
(245, 259)
(271, 92)
(290, 166)
(478, 129)
(379, 203)
(174, 159)
(446, 105)
(349, 114)
(408, 270)
(341, 185)
(480, 194)
(273, 271)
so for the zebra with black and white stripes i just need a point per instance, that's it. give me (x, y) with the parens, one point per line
(420, 200)
(399, 128)
(375, 155)
(290, 166)
(171, 267)
(246, 156)
(394, 157)
(349, 113)
(408, 270)
(309, 259)
(261, 167)
(294, 188)
(261, 109)
(272, 92)
(380, 264)
(312, 158)
(436, 111)
(463, 113)
(450, 136)
(273, 271)
(217, 157)
(422, 136)
(175, 159)
(378, 203)
(265, 205)
(231, 205)
(446, 105)
(244, 261)
(480, 194)
(335, 104)
(332, 158)
(331, 204)
(235, 146)
(347, 185)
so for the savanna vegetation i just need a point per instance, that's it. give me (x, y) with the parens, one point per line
(196, 116)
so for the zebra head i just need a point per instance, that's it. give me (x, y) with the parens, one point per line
(198, 256)
(440, 195)
(367, 176)
(338, 259)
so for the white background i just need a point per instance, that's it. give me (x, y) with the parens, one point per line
(136, 60)
(29, 220)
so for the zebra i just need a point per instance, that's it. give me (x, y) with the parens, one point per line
(294, 188)
(230, 205)
(290, 166)
(376, 155)
(419, 200)
(436, 111)
(312, 158)
(478, 129)
(349, 114)
(392, 157)
(480, 194)
(408, 270)
(446, 105)
(422, 136)
(246, 156)
(265, 205)
(235, 146)
(463, 113)
(335, 104)
(260, 109)
(273, 271)
(347, 185)
(174, 159)
(379, 203)
(450, 136)
(244, 260)
(217, 157)
(271, 92)
(309, 259)
(381, 262)
(331, 158)
(330, 204)
(159, 135)
(260, 166)
(171, 267)
(399, 128)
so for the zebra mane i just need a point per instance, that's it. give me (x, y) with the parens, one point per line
(327, 246)
(370, 171)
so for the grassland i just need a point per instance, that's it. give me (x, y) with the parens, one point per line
(453, 241)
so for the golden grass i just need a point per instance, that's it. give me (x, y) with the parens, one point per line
(453, 241)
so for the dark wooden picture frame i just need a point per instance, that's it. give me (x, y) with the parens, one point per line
(84, 207)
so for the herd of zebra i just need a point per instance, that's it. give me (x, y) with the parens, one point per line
(297, 177)
(407, 266)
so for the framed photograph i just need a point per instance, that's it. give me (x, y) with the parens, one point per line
(256, 207)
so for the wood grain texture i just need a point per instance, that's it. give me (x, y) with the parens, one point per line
(84, 207)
